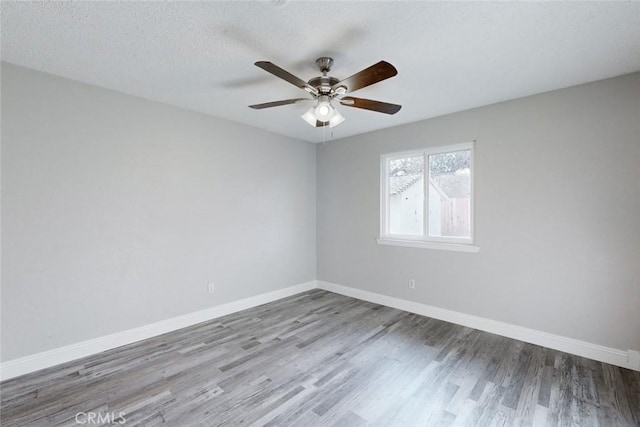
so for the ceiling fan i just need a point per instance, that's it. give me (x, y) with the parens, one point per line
(325, 89)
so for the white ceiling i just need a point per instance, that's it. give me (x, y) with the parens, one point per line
(199, 55)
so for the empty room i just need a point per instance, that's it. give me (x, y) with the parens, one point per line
(289, 213)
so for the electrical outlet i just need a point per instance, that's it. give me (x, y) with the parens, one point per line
(212, 288)
(412, 283)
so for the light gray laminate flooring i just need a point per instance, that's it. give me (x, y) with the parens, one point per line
(322, 359)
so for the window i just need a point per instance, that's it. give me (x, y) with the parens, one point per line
(427, 198)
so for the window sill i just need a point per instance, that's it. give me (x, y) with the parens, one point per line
(430, 245)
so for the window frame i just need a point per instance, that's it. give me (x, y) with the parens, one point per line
(425, 240)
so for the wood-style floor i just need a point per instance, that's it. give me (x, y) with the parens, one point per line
(322, 359)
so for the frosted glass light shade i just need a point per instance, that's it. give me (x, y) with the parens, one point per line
(336, 119)
(310, 117)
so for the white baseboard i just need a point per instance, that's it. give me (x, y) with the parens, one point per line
(24, 365)
(629, 359)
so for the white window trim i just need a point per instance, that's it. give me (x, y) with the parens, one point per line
(425, 241)
(424, 244)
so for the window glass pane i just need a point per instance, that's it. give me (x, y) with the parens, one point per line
(406, 196)
(450, 194)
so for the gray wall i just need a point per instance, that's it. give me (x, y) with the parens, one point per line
(118, 211)
(557, 214)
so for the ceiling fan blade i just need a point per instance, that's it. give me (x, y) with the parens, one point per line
(285, 75)
(278, 103)
(370, 104)
(374, 74)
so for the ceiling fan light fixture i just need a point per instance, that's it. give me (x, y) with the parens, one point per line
(324, 113)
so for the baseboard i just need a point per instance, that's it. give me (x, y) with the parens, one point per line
(35, 362)
(627, 359)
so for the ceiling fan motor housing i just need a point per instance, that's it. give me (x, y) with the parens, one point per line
(323, 83)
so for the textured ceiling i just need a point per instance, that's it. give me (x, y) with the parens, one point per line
(199, 55)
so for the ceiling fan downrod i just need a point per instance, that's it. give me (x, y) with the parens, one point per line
(324, 63)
